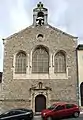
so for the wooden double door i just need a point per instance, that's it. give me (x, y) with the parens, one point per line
(40, 103)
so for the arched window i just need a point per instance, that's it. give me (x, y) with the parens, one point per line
(20, 63)
(60, 62)
(40, 60)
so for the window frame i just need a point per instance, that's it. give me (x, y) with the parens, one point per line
(40, 57)
(60, 65)
(20, 63)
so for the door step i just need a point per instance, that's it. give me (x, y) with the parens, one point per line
(37, 113)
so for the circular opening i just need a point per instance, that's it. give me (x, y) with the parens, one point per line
(40, 35)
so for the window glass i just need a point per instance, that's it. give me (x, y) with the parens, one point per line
(20, 63)
(52, 107)
(40, 60)
(69, 106)
(60, 63)
(60, 107)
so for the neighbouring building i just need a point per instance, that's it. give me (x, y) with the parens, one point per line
(80, 72)
(39, 66)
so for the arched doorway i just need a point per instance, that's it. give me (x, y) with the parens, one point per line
(40, 103)
(81, 93)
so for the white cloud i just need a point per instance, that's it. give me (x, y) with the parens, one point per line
(19, 16)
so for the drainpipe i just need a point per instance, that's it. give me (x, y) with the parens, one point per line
(77, 90)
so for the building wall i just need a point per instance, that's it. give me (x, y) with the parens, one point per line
(80, 70)
(17, 87)
(80, 64)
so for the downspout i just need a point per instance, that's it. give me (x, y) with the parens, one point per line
(77, 90)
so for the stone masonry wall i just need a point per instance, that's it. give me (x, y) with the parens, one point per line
(63, 86)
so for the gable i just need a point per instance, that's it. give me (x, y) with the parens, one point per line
(46, 35)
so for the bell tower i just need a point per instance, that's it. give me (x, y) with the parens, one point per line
(40, 15)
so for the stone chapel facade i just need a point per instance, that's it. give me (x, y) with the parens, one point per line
(39, 66)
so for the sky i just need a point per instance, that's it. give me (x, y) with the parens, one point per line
(15, 15)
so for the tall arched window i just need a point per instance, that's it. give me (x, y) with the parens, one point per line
(20, 63)
(60, 62)
(40, 60)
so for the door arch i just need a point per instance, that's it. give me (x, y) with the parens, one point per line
(40, 103)
(81, 93)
